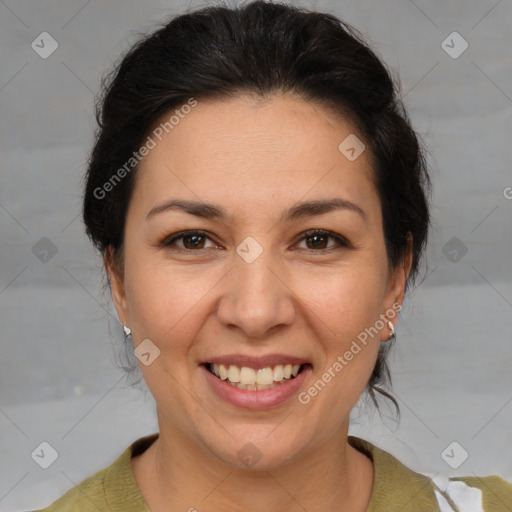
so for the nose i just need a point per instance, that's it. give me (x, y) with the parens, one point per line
(256, 297)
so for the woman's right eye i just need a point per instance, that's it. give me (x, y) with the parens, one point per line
(190, 240)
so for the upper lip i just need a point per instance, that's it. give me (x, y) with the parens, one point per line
(256, 362)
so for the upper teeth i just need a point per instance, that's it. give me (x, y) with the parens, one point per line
(264, 376)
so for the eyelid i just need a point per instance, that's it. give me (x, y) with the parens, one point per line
(340, 240)
(169, 240)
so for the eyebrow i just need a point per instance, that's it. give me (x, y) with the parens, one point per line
(299, 210)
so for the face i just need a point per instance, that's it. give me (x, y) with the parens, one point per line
(287, 265)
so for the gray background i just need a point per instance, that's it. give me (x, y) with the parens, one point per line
(58, 377)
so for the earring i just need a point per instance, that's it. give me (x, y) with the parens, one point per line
(127, 331)
(392, 329)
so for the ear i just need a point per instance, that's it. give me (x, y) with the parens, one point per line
(116, 279)
(398, 279)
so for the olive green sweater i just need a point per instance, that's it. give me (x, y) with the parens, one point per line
(395, 488)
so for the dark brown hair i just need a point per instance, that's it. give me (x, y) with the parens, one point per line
(259, 48)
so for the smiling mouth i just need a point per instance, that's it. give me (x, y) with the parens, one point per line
(251, 379)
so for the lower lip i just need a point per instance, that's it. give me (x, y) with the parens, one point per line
(256, 399)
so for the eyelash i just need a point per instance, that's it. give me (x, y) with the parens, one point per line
(342, 242)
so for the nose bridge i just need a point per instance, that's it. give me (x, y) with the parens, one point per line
(256, 299)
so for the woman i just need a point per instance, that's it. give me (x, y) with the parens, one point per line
(261, 203)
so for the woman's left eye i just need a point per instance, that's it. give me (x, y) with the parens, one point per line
(319, 237)
(316, 240)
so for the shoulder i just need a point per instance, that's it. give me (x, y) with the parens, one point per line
(403, 489)
(111, 489)
(88, 495)
(481, 494)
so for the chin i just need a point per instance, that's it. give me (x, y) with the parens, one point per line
(261, 449)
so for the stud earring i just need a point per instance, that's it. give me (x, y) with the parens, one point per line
(127, 331)
(392, 329)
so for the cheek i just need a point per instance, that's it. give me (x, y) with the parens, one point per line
(343, 313)
(350, 346)
(161, 299)
(347, 301)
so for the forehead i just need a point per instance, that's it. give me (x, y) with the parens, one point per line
(274, 149)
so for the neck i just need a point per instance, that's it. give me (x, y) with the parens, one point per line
(176, 473)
